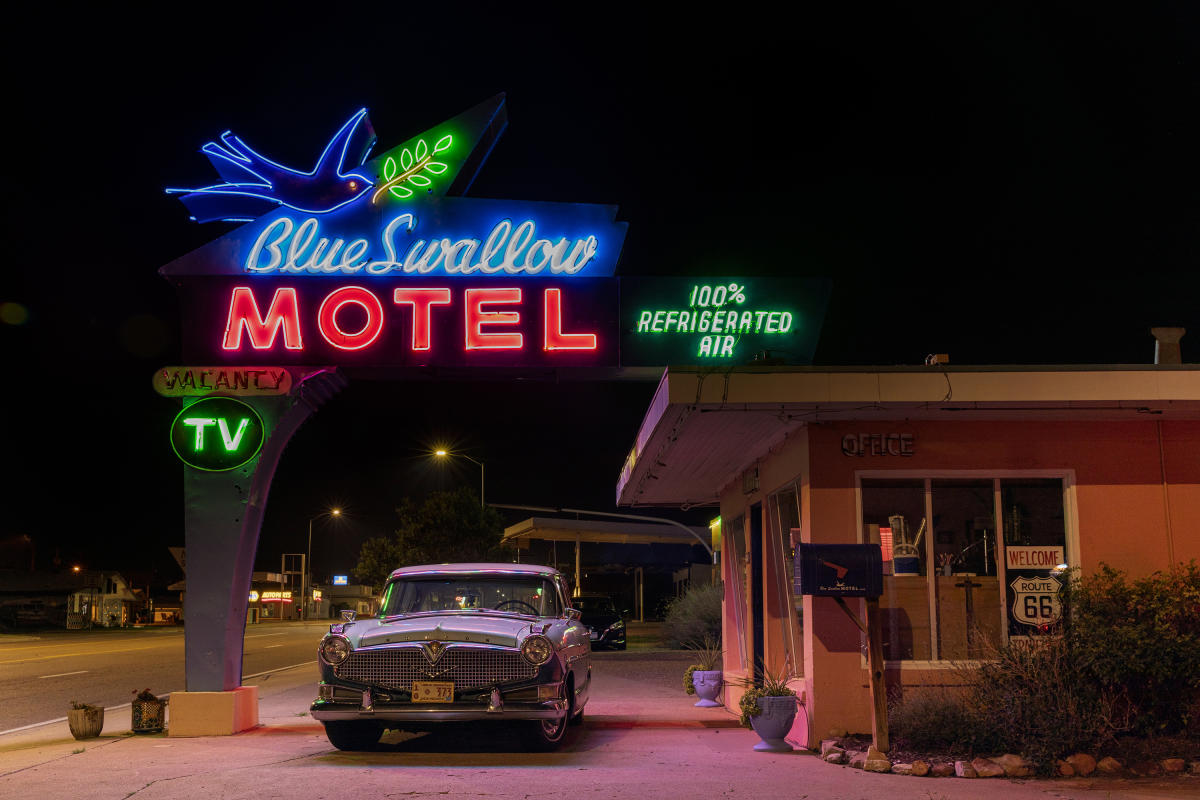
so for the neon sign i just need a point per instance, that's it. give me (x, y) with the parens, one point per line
(720, 320)
(286, 247)
(217, 434)
(275, 596)
(203, 381)
(408, 321)
(410, 168)
(255, 184)
(315, 223)
(340, 580)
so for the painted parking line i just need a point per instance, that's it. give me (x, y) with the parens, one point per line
(268, 647)
(63, 674)
(264, 635)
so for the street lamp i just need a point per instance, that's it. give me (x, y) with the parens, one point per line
(444, 454)
(307, 577)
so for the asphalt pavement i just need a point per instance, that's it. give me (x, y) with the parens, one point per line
(43, 671)
(643, 738)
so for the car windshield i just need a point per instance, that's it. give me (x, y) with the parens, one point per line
(519, 594)
(594, 605)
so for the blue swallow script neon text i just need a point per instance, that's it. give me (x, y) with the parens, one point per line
(284, 247)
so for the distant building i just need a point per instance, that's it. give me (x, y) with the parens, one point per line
(68, 600)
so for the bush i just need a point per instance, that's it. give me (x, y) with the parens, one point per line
(1124, 661)
(938, 718)
(694, 617)
(1142, 638)
(1036, 700)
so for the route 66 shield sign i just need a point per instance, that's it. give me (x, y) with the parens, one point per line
(1035, 600)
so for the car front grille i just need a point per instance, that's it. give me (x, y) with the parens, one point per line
(468, 667)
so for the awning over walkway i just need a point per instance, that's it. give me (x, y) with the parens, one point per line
(704, 426)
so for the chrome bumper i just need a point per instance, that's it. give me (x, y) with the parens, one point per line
(327, 711)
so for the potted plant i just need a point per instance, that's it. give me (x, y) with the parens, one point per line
(85, 720)
(704, 677)
(148, 712)
(769, 708)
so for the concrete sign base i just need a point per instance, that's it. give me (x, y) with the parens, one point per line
(213, 713)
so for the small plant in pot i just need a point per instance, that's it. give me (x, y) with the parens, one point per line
(769, 707)
(703, 678)
(85, 720)
(149, 712)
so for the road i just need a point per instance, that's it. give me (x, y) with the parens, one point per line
(41, 673)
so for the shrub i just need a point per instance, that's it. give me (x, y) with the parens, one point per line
(938, 718)
(1143, 638)
(1124, 661)
(1033, 698)
(694, 617)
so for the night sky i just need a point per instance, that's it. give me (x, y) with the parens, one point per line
(1010, 185)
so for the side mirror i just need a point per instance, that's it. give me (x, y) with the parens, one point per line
(573, 614)
(349, 614)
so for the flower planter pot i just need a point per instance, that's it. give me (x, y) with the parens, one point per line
(773, 723)
(707, 684)
(148, 716)
(85, 723)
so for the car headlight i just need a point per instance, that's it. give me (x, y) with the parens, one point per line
(335, 649)
(537, 649)
(619, 625)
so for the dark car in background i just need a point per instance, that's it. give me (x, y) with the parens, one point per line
(600, 616)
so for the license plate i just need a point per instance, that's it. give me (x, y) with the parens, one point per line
(433, 692)
(594, 635)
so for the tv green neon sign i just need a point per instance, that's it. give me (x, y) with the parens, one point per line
(217, 434)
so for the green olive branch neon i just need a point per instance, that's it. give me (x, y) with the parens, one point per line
(423, 163)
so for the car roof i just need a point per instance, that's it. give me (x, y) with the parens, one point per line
(476, 568)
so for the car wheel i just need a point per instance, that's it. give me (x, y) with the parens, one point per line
(546, 734)
(621, 646)
(348, 735)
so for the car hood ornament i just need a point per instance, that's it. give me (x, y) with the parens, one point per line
(433, 650)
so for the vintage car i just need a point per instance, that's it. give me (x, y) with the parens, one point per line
(457, 642)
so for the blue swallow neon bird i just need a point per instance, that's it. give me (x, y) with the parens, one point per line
(255, 184)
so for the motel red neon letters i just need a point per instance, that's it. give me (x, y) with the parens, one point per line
(485, 327)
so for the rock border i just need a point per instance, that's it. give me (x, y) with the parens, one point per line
(1008, 765)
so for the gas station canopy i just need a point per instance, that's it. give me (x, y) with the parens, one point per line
(574, 530)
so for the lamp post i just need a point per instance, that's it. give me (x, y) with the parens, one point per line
(444, 454)
(306, 580)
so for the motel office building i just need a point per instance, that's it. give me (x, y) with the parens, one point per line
(988, 474)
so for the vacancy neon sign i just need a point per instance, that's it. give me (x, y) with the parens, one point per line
(353, 318)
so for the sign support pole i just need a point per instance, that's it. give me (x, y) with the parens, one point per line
(879, 713)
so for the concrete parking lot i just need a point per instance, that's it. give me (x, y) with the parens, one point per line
(643, 738)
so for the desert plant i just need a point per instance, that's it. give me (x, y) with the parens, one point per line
(81, 706)
(771, 685)
(1140, 638)
(145, 695)
(934, 718)
(694, 617)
